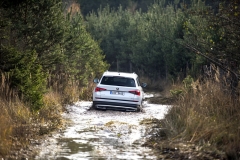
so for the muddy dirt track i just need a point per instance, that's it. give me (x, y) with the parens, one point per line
(96, 134)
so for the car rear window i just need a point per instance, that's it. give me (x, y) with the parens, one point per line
(118, 81)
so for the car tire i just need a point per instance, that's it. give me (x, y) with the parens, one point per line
(139, 108)
(94, 106)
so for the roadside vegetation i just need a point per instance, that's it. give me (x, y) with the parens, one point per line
(20, 126)
(207, 113)
(203, 121)
(47, 59)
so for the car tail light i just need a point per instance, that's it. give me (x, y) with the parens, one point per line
(98, 89)
(136, 92)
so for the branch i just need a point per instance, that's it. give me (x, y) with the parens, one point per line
(212, 60)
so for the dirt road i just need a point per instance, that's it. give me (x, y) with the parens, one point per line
(97, 134)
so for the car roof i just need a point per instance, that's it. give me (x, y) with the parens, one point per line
(122, 74)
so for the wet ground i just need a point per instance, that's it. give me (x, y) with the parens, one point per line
(97, 134)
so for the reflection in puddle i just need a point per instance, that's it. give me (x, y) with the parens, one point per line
(96, 134)
(71, 146)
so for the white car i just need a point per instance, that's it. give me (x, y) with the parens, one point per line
(118, 90)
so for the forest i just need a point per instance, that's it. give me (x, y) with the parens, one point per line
(54, 48)
(171, 38)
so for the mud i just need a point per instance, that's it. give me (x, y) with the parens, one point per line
(97, 134)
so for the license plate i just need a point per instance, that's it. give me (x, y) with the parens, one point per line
(116, 92)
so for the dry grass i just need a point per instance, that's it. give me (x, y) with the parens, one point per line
(86, 92)
(5, 130)
(18, 124)
(159, 85)
(70, 94)
(14, 116)
(206, 113)
(73, 93)
(50, 113)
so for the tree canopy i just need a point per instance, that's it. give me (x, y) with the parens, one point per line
(42, 45)
(172, 38)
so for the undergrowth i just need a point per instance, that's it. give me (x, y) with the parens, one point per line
(159, 85)
(19, 125)
(207, 114)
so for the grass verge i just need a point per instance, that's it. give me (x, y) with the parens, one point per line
(205, 115)
(20, 127)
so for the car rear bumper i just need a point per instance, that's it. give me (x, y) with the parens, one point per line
(115, 106)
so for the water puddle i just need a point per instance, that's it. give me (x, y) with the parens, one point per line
(96, 134)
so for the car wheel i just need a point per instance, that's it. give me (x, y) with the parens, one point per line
(93, 106)
(139, 108)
